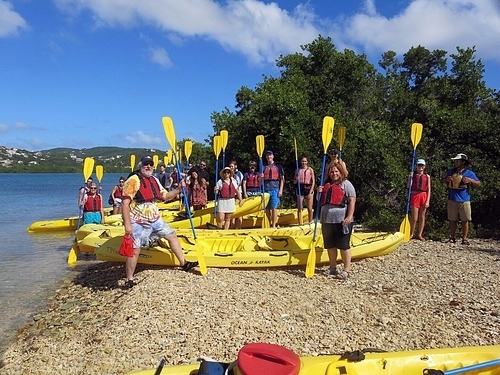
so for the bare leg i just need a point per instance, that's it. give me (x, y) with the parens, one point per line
(227, 221)
(465, 229)
(453, 229)
(346, 259)
(131, 263)
(274, 217)
(413, 221)
(421, 222)
(220, 219)
(310, 208)
(176, 248)
(332, 256)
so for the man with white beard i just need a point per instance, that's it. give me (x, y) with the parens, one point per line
(141, 216)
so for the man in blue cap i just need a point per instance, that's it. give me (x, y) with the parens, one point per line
(141, 216)
(274, 180)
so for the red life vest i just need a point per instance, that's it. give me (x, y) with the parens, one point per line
(175, 178)
(333, 194)
(149, 190)
(305, 176)
(420, 182)
(253, 180)
(93, 204)
(228, 190)
(271, 173)
(118, 191)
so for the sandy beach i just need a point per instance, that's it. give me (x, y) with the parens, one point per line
(424, 295)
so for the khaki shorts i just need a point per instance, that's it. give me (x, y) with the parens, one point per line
(460, 211)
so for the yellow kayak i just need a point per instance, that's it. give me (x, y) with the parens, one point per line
(261, 358)
(289, 247)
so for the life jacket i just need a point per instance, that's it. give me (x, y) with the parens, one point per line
(93, 204)
(253, 180)
(333, 194)
(118, 192)
(149, 190)
(420, 182)
(305, 176)
(228, 190)
(271, 173)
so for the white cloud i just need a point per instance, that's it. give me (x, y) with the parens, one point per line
(4, 128)
(258, 30)
(434, 24)
(160, 56)
(21, 125)
(139, 138)
(10, 21)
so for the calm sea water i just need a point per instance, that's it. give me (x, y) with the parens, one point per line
(33, 265)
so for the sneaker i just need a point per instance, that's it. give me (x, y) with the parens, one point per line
(188, 265)
(129, 284)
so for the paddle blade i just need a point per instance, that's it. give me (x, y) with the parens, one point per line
(165, 160)
(200, 258)
(311, 261)
(132, 162)
(341, 137)
(72, 257)
(223, 139)
(327, 133)
(88, 167)
(295, 145)
(416, 134)
(169, 157)
(188, 148)
(99, 171)
(155, 161)
(217, 146)
(259, 140)
(405, 229)
(168, 127)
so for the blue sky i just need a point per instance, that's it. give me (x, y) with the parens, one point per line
(85, 73)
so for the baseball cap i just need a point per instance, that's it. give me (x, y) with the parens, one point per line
(460, 157)
(421, 161)
(269, 152)
(146, 159)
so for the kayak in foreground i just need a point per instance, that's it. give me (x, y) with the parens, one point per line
(261, 358)
(253, 250)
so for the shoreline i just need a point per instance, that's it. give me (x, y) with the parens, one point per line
(424, 295)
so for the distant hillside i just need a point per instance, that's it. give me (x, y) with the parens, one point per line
(113, 159)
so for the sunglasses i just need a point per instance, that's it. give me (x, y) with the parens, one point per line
(203, 165)
(93, 188)
(226, 172)
(121, 181)
(252, 167)
(148, 163)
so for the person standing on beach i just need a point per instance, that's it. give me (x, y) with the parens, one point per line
(338, 198)
(238, 177)
(419, 200)
(251, 181)
(93, 211)
(164, 177)
(459, 179)
(116, 196)
(141, 216)
(274, 180)
(226, 190)
(84, 190)
(305, 177)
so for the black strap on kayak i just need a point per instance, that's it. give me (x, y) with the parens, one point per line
(359, 355)
(430, 371)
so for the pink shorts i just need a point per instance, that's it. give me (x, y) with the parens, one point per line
(418, 200)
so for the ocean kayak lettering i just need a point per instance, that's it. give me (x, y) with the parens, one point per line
(249, 262)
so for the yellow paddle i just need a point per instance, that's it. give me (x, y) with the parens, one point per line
(188, 148)
(99, 171)
(168, 126)
(217, 149)
(223, 142)
(259, 140)
(169, 156)
(341, 139)
(132, 162)
(416, 135)
(327, 134)
(88, 167)
(155, 161)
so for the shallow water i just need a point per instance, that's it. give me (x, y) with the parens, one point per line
(33, 264)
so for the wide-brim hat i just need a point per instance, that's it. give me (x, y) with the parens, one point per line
(461, 157)
(221, 173)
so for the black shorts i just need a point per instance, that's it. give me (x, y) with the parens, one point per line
(334, 237)
(305, 190)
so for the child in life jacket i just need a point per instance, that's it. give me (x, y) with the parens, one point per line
(420, 183)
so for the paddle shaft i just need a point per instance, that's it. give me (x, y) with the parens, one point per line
(475, 367)
(298, 179)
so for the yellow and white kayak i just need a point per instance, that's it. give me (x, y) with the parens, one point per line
(261, 358)
(68, 223)
(253, 250)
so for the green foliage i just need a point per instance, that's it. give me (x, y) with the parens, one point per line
(458, 112)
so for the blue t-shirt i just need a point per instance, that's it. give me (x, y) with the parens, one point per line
(460, 194)
(273, 184)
